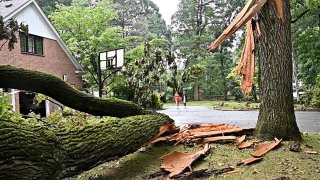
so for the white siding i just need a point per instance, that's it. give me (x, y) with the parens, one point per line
(37, 25)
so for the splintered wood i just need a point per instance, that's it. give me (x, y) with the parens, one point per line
(203, 134)
(249, 161)
(278, 4)
(262, 148)
(246, 14)
(166, 128)
(246, 64)
(177, 162)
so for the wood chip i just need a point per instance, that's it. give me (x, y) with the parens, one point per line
(215, 139)
(239, 140)
(264, 147)
(163, 129)
(213, 133)
(249, 161)
(245, 145)
(177, 162)
(311, 152)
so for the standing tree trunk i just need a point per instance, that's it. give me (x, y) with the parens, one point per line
(223, 77)
(276, 116)
(196, 89)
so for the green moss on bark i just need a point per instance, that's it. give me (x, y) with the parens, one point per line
(48, 152)
(56, 88)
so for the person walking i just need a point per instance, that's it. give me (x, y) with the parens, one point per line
(177, 99)
(184, 100)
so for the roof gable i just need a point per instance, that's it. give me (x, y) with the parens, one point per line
(36, 23)
(17, 10)
(8, 7)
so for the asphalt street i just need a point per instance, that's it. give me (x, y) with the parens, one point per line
(307, 121)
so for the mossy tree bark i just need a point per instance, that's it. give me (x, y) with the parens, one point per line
(276, 116)
(47, 152)
(56, 88)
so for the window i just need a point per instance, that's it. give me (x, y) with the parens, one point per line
(65, 77)
(31, 44)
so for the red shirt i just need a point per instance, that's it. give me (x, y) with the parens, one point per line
(176, 97)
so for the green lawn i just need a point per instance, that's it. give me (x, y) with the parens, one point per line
(233, 105)
(277, 163)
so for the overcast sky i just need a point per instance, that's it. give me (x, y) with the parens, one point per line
(167, 8)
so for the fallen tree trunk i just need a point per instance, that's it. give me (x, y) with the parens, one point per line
(46, 152)
(56, 88)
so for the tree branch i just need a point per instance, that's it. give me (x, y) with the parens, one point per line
(300, 16)
(3, 44)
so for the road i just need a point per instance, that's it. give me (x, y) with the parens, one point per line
(307, 121)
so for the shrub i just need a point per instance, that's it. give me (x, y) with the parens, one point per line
(316, 94)
(155, 102)
(124, 92)
(5, 106)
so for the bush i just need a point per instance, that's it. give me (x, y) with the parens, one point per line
(124, 92)
(316, 94)
(155, 102)
(306, 98)
(5, 106)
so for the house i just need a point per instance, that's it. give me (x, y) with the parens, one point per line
(42, 49)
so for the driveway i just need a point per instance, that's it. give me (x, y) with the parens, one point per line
(307, 121)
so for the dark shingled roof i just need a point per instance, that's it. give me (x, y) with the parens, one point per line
(9, 6)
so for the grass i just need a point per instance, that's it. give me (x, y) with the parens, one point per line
(233, 105)
(277, 163)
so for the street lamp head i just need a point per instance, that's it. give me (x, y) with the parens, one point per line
(112, 59)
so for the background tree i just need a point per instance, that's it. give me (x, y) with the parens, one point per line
(306, 38)
(193, 24)
(144, 72)
(87, 31)
(140, 18)
(50, 6)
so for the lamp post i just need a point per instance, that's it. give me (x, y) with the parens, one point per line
(109, 61)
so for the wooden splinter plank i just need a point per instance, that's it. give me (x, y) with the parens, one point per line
(177, 162)
(278, 4)
(250, 10)
(215, 139)
(249, 161)
(245, 145)
(239, 140)
(262, 148)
